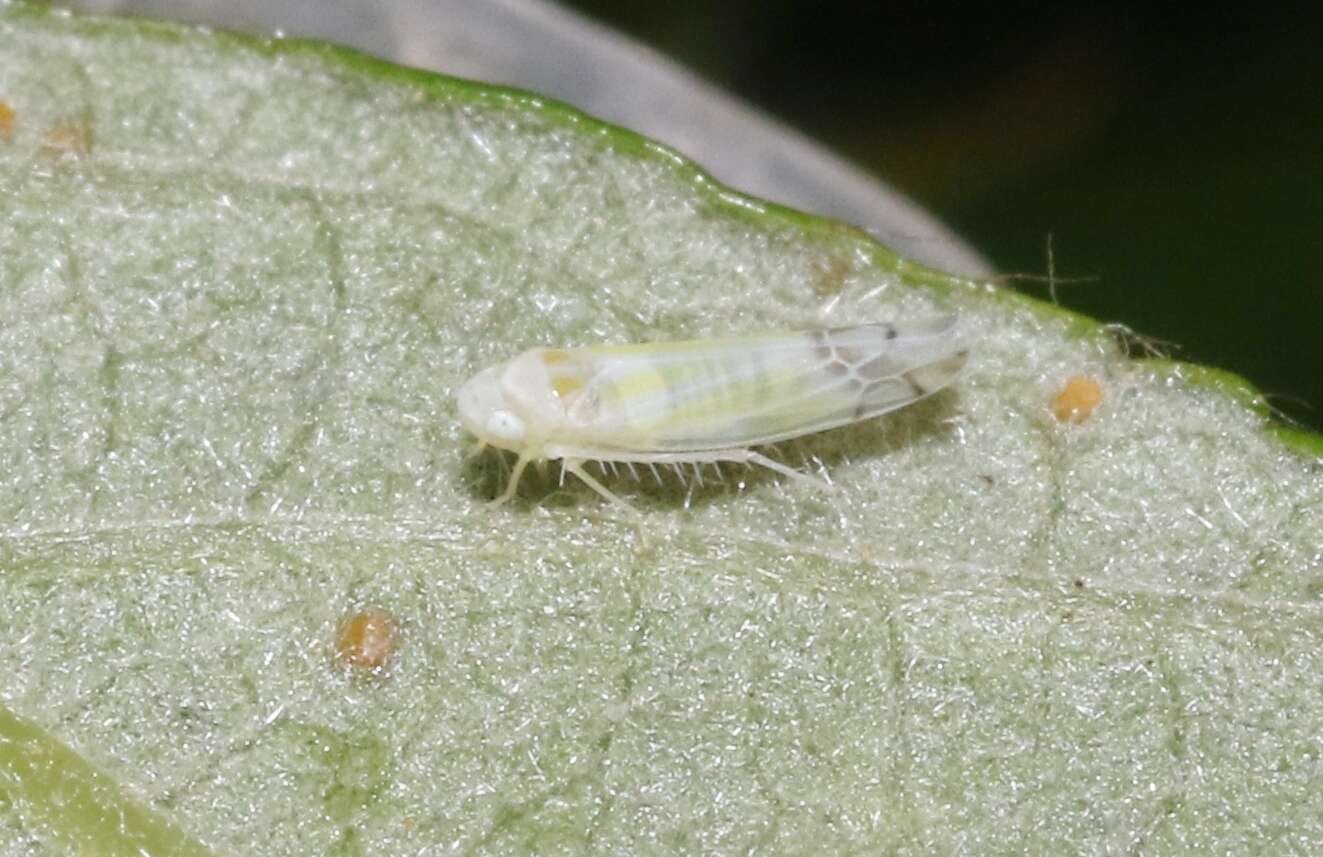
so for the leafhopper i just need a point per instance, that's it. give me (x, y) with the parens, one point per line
(702, 401)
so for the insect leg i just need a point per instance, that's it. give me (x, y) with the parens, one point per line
(747, 457)
(763, 461)
(514, 481)
(576, 468)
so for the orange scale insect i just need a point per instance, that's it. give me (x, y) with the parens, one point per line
(1076, 401)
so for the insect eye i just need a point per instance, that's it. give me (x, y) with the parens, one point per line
(503, 425)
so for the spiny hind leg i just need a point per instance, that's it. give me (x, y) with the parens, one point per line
(748, 456)
(678, 460)
(576, 467)
(736, 456)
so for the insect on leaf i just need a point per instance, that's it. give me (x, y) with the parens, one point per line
(236, 311)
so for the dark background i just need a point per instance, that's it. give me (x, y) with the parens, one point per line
(1174, 154)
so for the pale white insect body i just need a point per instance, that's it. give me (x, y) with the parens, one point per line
(705, 400)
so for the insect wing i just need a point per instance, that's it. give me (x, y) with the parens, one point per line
(717, 394)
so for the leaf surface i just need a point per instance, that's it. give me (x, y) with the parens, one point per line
(240, 283)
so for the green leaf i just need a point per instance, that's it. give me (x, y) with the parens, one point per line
(240, 283)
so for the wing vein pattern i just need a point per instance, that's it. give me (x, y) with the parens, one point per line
(720, 394)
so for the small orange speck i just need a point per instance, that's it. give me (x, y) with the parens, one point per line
(1078, 399)
(7, 117)
(68, 138)
(367, 639)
